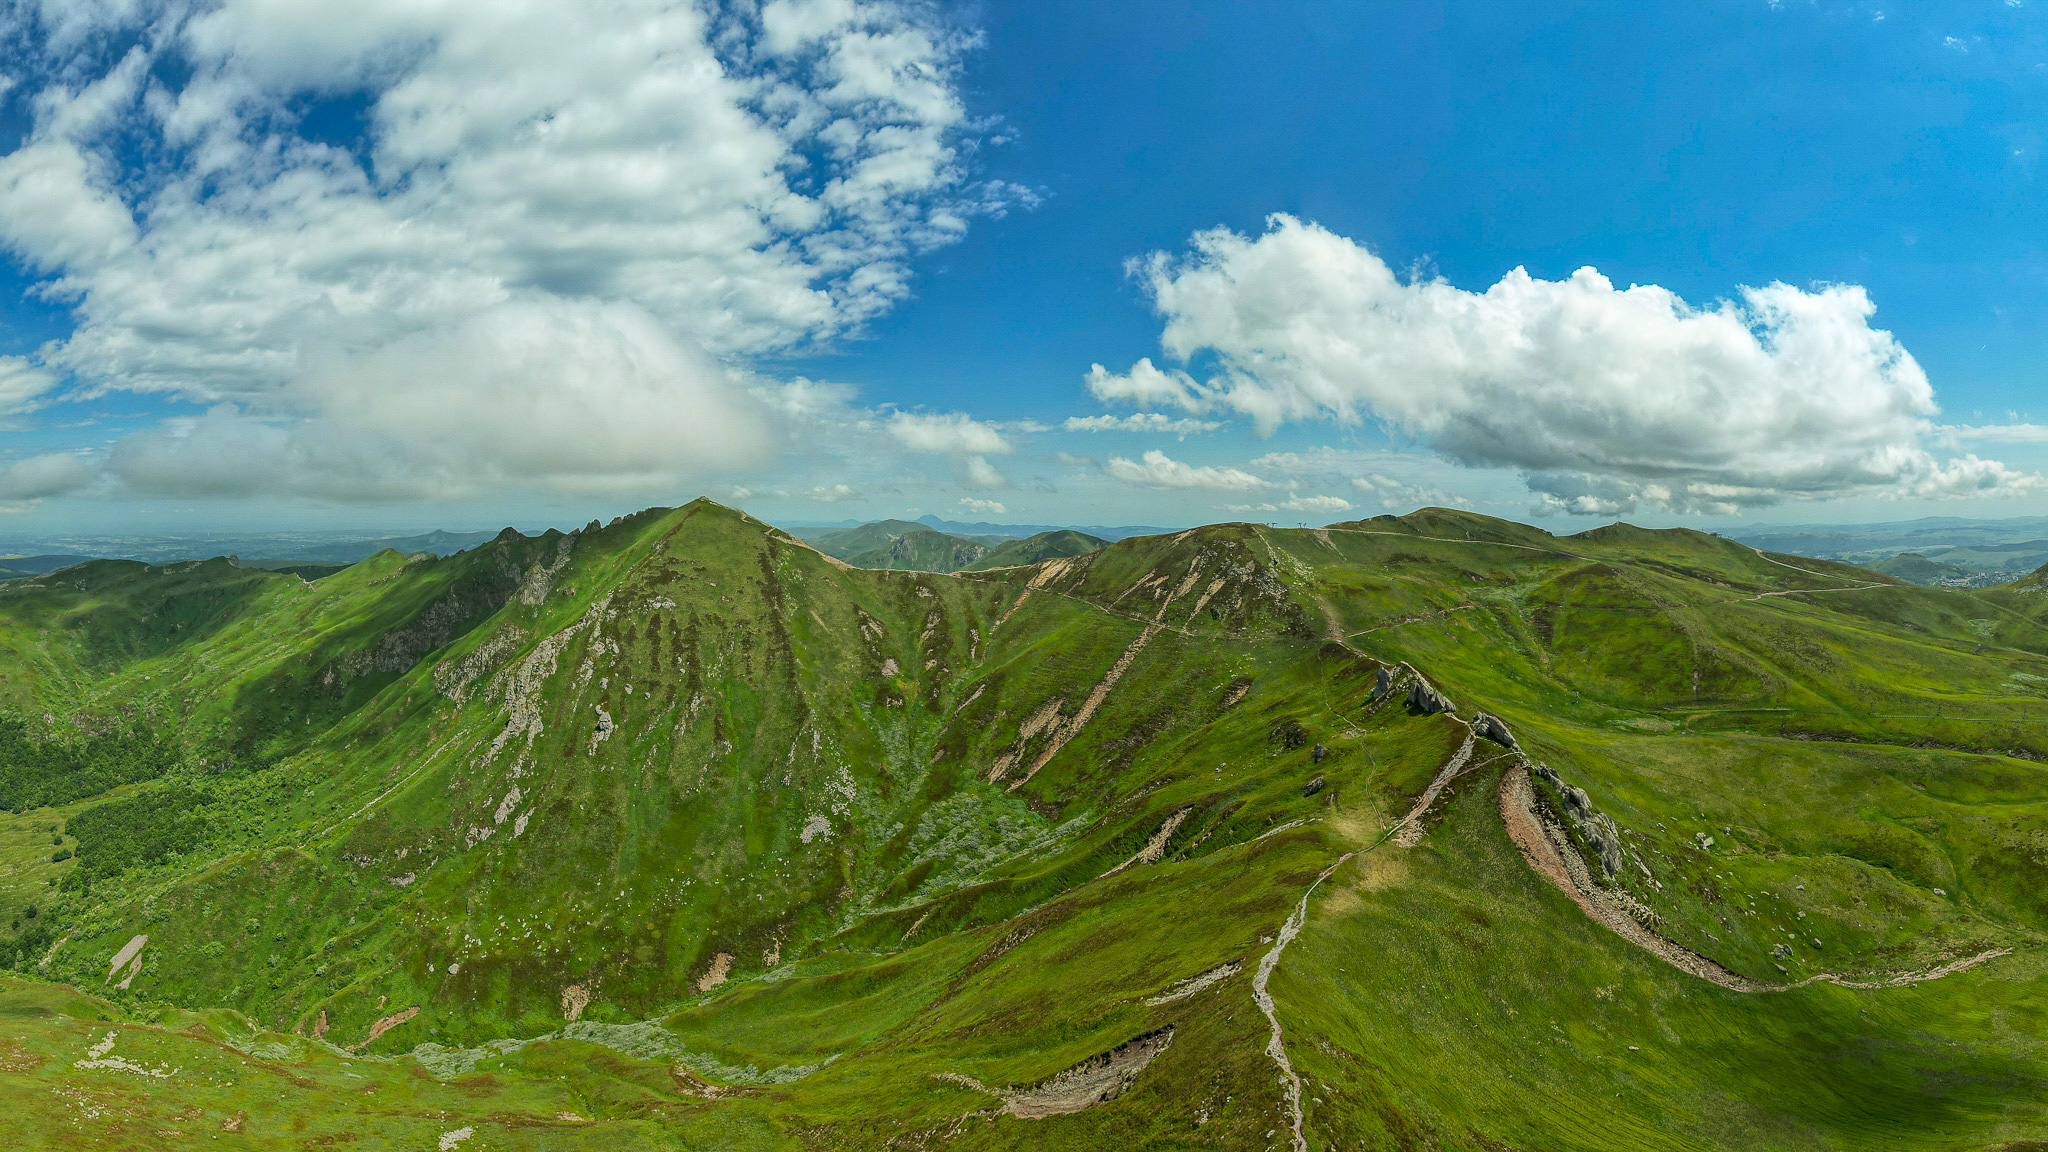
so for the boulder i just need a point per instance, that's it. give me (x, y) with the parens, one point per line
(1316, 755)
(1382, 684)
(1312, 787)
(1492, 728)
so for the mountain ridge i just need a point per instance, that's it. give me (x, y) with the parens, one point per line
(686, 775)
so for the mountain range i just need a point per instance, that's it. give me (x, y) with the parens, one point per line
(1431, 831)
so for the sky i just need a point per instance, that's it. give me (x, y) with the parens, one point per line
(402, 264)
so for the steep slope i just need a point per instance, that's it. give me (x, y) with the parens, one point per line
(1426, 831)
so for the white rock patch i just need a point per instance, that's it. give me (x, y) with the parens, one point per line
(129, 951)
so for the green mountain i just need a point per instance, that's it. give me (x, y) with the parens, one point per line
(1054, 545)
(1917, 569)
(921, 551)
(1433, 831)
(865, 538)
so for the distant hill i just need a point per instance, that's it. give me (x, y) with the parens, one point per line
(14, 567)
(983, 531)
(1044, 546)
(851, 542)
(922, 551)
(908, 545)
(1917, 569)
(437, 542)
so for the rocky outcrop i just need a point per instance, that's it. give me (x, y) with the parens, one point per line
(1427, 700)
(1597, 828)
(1092, 1081)
(1382, 683)
(1491, 728)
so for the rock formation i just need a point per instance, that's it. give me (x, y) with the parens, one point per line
(1428, 700)
(1492, 728)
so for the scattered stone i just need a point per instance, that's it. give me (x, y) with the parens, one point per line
(1312, 787)
(1939, 892)
(1316, 755)
(1781, 951)
(1289, 734)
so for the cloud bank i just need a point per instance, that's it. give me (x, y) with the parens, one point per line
(1604, 398)
(427, 247)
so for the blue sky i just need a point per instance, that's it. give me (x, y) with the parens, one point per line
(408, 264)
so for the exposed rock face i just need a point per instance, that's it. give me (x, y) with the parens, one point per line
(1595, 826)
(1428, 700)
(1382, 683)
(1492, 728)
(1092, 1081)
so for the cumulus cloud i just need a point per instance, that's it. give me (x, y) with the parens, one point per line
(982, 507)
(565, 230)
(1158, 470)
(1603, 397)
(946, 432)
(24, 482)
(594, 397)
(1140, 422)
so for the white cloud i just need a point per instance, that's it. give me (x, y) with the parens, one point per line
(22, 384)
(1143, 385)
(681, 187)
(39, 477)
(1294, 503)
(977, 472)
(1140, 422)
(1597, 394)
(946, 432)
(832, 493)
(1160, 471)
(1999, 433)
(982, 507)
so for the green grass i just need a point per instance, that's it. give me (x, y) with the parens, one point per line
(605, 769)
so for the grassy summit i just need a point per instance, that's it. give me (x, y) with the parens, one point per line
(679, 832)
